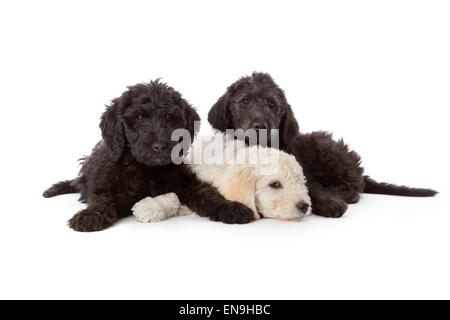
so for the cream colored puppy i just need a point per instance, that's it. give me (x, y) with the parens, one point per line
(267, 180)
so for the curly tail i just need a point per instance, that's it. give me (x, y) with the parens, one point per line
(61, 187)
(372, 186)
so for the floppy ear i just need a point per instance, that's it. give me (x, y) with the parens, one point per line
(240, 186)
(288, 127)
(219, 116)
(112, 130)
(191, 117)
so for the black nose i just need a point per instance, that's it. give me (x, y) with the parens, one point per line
(158, 147)
(259, 124)
(303, 206)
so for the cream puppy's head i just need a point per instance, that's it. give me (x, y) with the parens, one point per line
(273, 185)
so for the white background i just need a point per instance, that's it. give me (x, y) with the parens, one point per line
(374, 72)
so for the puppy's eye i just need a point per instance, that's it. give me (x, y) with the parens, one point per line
(271, 103)
(245, 101)
(275, 185)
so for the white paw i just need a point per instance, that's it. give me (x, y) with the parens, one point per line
(148, 210)
(156, 209)
(184, 211)
(169, 203)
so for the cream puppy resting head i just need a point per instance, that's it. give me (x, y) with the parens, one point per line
(267, 180)
(274, 187)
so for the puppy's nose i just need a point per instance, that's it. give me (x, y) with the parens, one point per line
(259, 124)
(302, 206)
(158, 147)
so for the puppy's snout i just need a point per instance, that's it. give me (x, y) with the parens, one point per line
(259, 124)
(159, 147)
(303, 206)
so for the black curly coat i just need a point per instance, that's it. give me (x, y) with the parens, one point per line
(133, 161)
(334, 174)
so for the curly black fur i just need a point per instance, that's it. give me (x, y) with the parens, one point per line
(335, 176)
(133, 161)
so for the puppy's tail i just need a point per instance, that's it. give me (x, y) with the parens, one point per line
(61, 187)
(372, 186)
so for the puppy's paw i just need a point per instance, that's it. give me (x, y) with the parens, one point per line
(184, 211)
(234, 213)
(330, 208)
(352, 198)
(88, 221)
(169, 203)
(148, 210)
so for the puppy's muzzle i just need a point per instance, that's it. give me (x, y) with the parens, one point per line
(159, 147)
(259, 124)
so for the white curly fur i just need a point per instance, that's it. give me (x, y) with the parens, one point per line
(246, 173)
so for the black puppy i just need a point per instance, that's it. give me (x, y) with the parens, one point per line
(133, 161)
(334, 174)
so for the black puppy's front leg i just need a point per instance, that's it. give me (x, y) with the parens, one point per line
(99, 215)
(213, 205)
(326, 203)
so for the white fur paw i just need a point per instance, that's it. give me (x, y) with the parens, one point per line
(169, 203)
(148, 210)
(156, 209)
(184, 211)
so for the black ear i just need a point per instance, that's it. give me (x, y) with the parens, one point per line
(191, 117)
(219, 115)
(288, 127)
(112, 130)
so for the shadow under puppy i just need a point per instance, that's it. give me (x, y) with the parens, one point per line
(267, 180)
(133, 161)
